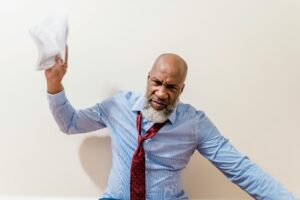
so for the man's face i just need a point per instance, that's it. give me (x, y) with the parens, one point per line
(165, 84)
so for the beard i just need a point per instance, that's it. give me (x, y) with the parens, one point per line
(157, 116)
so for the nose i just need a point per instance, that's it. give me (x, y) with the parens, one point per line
(162, 93)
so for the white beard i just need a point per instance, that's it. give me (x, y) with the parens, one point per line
(157, 116)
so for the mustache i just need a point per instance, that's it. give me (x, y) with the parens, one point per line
(159, 101)
(168, 106)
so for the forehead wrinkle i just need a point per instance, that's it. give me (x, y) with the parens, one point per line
(165, 80)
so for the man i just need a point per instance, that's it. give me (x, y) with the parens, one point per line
(158, 134)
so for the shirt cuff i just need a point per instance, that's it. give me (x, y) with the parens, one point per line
(57, 99)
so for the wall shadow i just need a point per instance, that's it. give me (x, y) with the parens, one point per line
(96, 158)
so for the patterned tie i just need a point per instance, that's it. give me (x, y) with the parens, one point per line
(137, 173)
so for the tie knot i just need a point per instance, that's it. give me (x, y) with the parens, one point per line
(140, 138)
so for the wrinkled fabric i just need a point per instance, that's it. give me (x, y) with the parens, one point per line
(50, 37)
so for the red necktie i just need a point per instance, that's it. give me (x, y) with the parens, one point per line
(137, 173)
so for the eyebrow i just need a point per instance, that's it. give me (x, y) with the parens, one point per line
(160, 82)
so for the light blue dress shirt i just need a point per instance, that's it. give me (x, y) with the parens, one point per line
(168, 152)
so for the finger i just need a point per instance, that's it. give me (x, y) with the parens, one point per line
(65, 65)
(66, 55)
(47, 70)
(58, 60)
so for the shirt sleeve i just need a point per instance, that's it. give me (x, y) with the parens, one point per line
(237, 167)
(72, 121)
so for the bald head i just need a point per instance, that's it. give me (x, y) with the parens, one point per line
(171, 64)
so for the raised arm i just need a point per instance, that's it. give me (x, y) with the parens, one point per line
(68, 119)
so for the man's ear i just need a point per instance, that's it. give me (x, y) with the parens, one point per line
(182, 88)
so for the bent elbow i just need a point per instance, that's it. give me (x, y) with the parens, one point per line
(66, 130)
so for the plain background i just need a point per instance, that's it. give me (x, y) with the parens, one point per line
(243, 58)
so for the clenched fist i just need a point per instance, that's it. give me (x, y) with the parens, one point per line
(55, 74)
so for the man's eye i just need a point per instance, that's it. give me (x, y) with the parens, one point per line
(157, 82)
(172, 88)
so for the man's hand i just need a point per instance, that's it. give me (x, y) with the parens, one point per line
(55, 74)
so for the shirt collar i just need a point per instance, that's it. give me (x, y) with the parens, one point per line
(138, 105)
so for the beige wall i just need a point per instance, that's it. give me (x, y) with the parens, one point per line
(244, 73)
